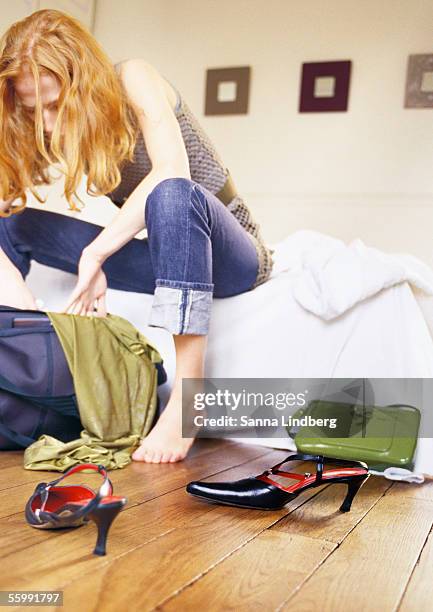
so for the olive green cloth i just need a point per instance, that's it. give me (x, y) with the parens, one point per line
(116, 382)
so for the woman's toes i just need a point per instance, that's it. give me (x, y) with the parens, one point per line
(144, 454)
(166, 456)
(156, 456)
(149, 456)
(137, 455)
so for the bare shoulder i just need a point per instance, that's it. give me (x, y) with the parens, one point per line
(137, 67)
(147, 90)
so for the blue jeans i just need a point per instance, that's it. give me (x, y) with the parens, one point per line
(195, 249)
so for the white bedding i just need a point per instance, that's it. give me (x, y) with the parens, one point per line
(267, 333)
(331, 277)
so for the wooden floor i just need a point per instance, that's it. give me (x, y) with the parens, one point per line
(172, 552)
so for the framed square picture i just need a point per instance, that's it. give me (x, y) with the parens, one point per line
(419, 81)
(227, 91)
(325, 86)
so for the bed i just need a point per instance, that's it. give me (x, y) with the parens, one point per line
(270, 333)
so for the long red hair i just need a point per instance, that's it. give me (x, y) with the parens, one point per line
(100, 127)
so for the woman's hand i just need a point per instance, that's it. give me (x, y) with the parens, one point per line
(88, 297)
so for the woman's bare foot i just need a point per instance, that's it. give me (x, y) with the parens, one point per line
(164, 443)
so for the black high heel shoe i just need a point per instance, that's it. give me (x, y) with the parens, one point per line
(263, 493)
(52, 507)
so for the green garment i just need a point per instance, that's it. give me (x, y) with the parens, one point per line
(116, 382)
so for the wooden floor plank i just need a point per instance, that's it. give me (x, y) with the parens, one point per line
(418, 491)
(136, 524)
(13, 476)
(323, 519)
(14, 460)
(370, 569)
(151, 533)
(316, 520)
(260, 575)
(11, 458)
(165, 566)
(17, 536)
(12, 470)
(141, 481)
(419, 593)
(170, 550)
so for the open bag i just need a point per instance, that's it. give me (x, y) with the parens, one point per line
(75, 389)
(37, 394)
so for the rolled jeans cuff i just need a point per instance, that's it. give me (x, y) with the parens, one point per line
(182, 307)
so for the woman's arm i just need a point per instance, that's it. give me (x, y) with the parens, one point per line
(13, 290)
(166, 149)
(164, 145)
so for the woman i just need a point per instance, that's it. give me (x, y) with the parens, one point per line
(130, 132)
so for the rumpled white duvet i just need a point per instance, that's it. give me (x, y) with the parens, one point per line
(329, 310)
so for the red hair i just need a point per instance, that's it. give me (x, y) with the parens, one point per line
(99, 124)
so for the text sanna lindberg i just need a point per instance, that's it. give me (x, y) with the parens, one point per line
(245, 421)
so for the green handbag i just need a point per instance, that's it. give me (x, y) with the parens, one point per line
(382, 436)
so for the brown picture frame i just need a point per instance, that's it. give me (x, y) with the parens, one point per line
(214, 76)
(340, 71)
(417, 65)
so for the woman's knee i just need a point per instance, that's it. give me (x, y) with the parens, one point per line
(168, 197)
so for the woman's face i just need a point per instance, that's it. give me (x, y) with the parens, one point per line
(50, 89)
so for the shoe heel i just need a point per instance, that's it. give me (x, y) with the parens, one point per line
(353, 487)
(103, 516)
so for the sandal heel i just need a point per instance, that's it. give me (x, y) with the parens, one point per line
(103, 516)
(353, 486)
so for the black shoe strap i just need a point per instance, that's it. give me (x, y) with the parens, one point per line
(320, 461)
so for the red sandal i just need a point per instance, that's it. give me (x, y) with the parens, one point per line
(53, 507)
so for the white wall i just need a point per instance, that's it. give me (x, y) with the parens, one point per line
(363, 173)
(366, 150)
(12, 11)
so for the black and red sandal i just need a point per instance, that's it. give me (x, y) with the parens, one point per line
(53, 507)
(263, 492)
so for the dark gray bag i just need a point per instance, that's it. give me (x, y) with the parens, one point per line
(37, 393)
